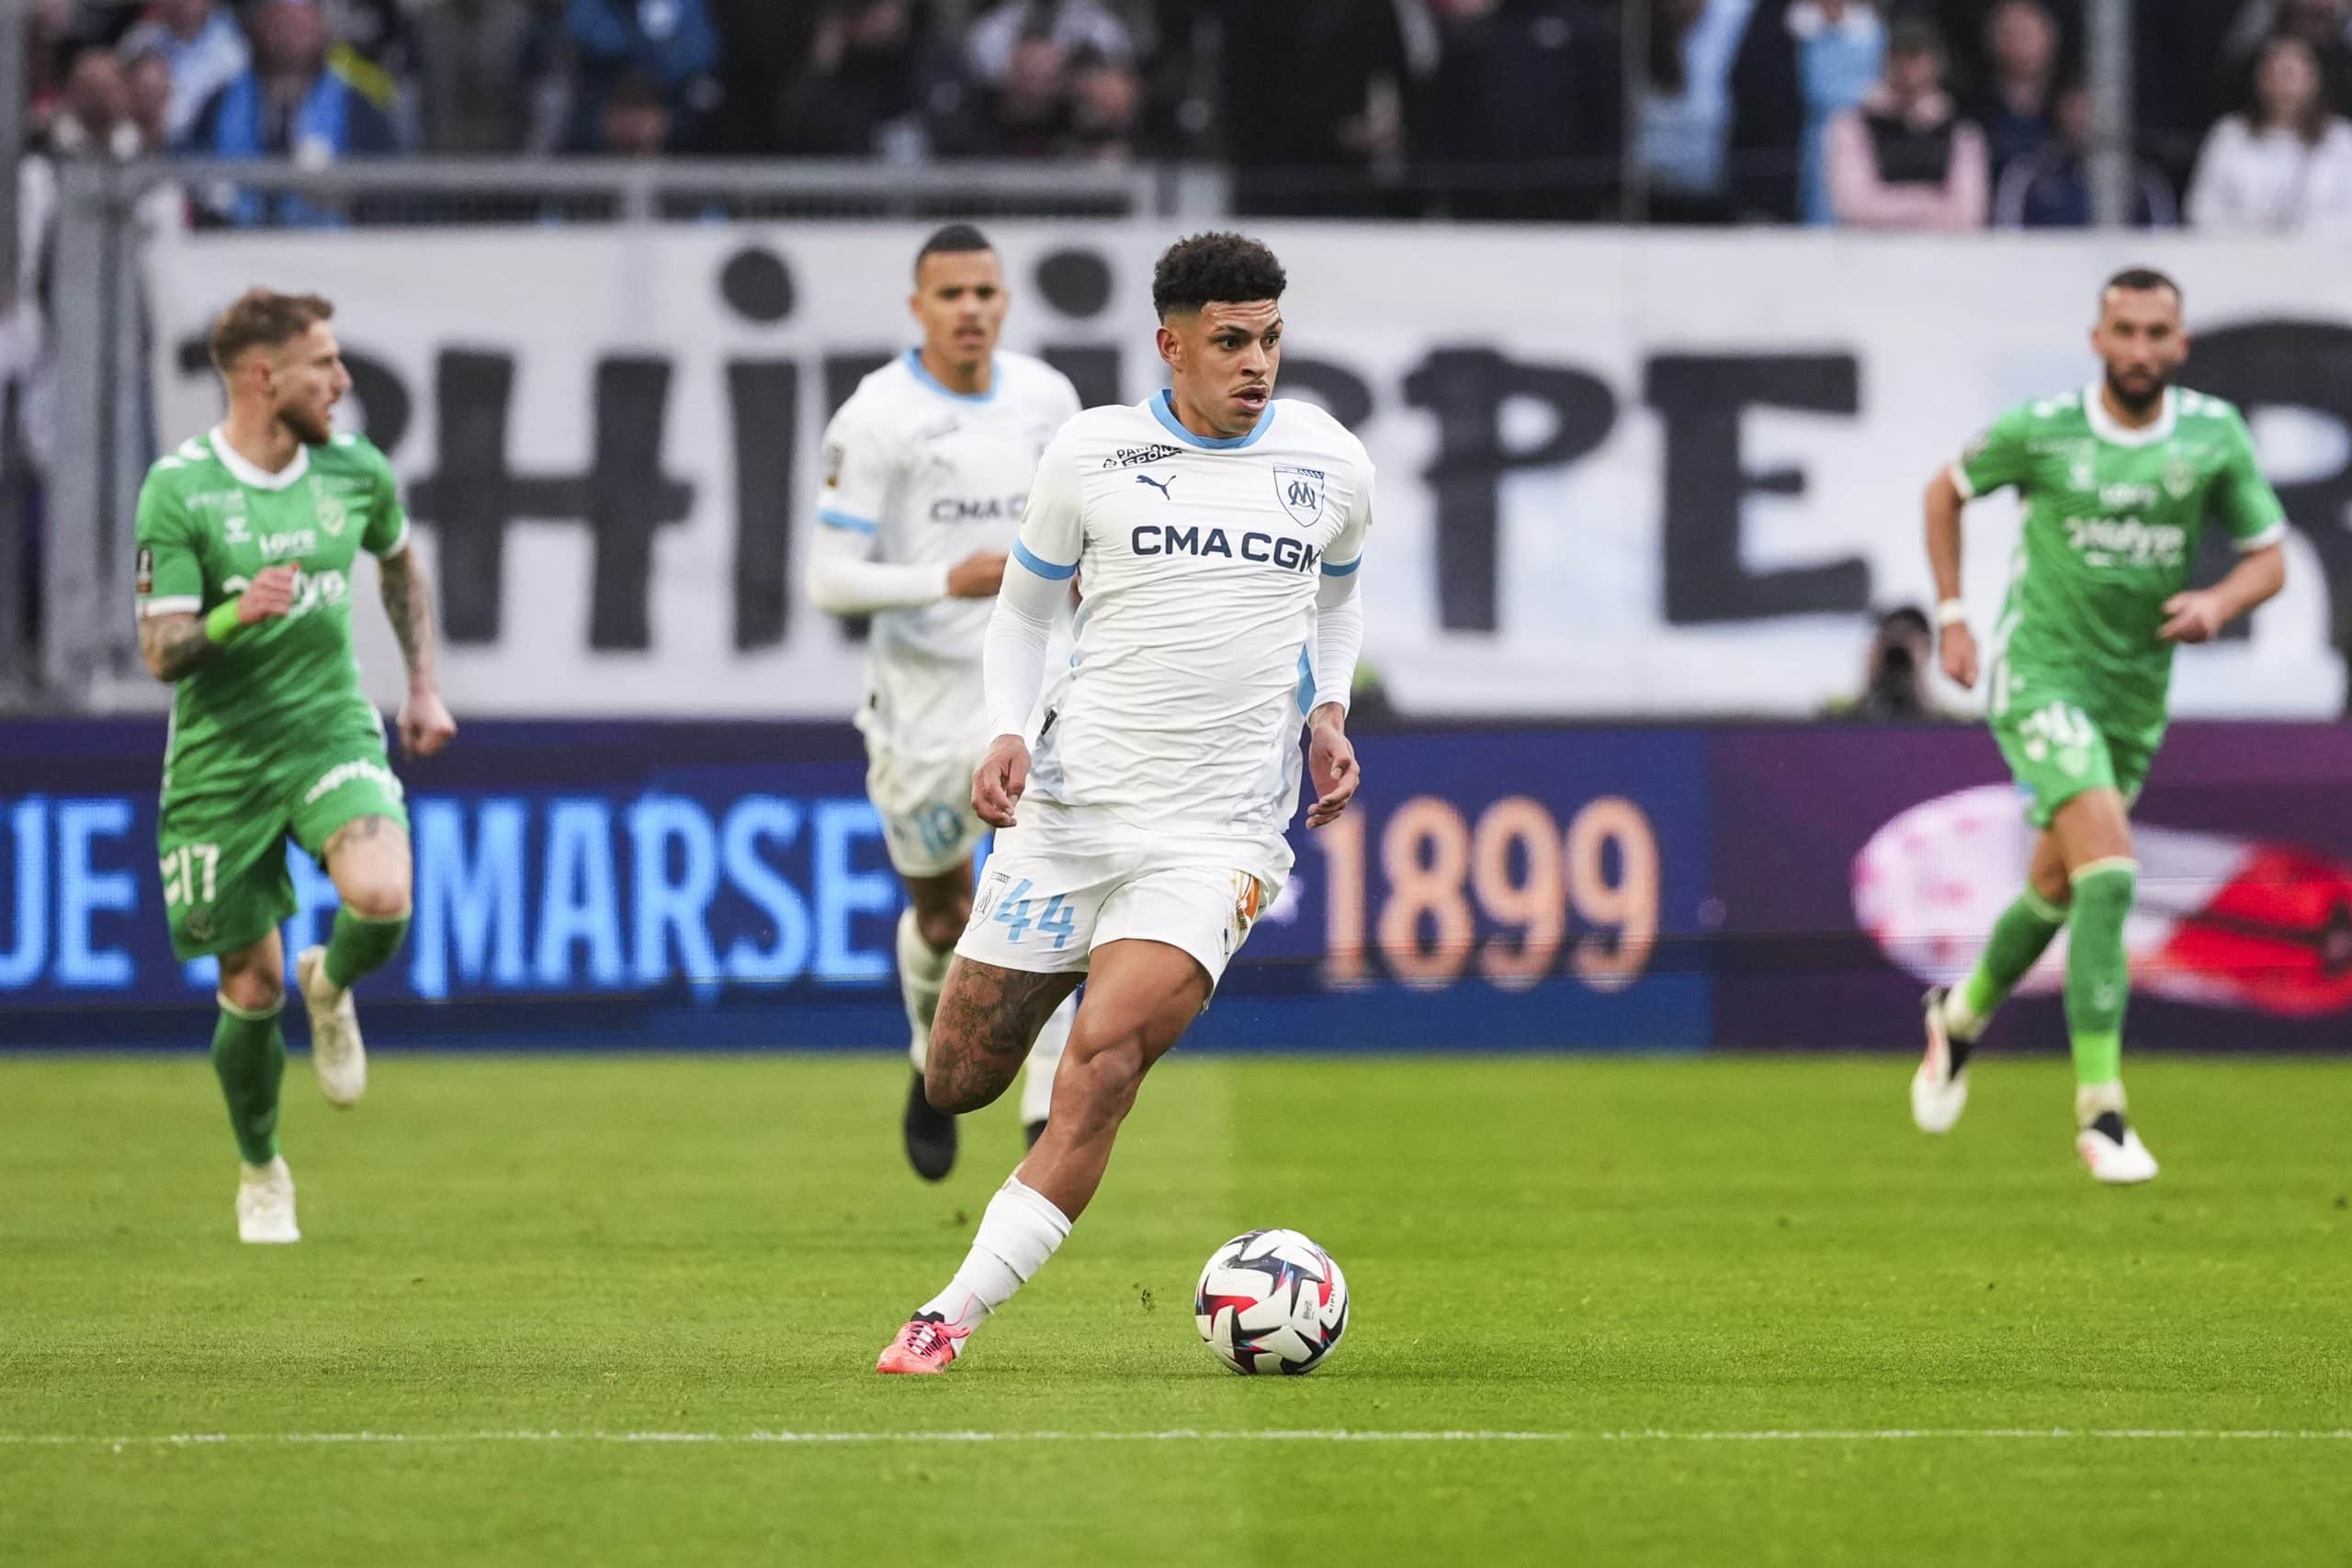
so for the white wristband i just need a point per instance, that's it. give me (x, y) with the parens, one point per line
(1951, 613)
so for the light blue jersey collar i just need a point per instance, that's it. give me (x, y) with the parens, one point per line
(1163, 408)
(996, 375)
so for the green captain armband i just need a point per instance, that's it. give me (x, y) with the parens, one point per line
(223, 626)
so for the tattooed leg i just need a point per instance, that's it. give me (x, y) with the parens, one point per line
(367, 857)
(988, 1019)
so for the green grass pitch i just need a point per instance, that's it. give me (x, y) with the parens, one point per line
(1645, 1263)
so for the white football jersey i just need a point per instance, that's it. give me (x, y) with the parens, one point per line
(928, 476)
(1197, 563)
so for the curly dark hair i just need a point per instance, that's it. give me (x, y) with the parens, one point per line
(1229, 268)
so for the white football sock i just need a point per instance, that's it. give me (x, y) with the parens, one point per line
(1018, 1232)
(1960, 1019)
(2093, 1100)
(1044, 1056)
(922, 971)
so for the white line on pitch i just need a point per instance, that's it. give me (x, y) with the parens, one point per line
(1881, 1435)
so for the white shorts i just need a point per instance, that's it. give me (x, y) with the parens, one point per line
(928, 823)
(1046, 911)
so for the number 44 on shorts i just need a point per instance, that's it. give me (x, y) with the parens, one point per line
(1058, 919)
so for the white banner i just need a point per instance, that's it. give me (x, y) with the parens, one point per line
(1618, 473)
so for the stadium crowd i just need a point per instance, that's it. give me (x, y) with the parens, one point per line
(1932, 114)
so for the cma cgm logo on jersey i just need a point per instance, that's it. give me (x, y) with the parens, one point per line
(977, 509)
(1177, 539)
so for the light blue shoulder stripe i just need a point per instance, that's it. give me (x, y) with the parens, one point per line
(856, 524)
(1040, 565)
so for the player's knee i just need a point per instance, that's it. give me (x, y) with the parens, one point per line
(941, 925)
(958, 1083)
(377, 898)
(255, 984)
(2050, 884)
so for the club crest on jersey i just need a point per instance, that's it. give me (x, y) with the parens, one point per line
(327, 510)
(2180, 478)
(1300, 491)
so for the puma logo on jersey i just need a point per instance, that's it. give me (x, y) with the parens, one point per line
(1159, 485)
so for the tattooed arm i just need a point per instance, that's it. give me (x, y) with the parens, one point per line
(173, 645)
(424, 721)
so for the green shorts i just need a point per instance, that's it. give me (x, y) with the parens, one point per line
(225, 881)
(2056, 751)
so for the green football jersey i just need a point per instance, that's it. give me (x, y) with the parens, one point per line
(208, 521)
(2113, 517)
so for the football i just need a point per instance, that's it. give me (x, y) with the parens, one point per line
(1272, 1301)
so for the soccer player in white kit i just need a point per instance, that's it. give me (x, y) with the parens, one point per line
(926, 467)
(1216, 534)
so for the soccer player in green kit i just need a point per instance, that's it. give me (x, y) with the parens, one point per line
(247, 536)
(2117, 483)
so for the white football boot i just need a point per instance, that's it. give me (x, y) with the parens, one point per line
(337, 1054)
(266, 1203)
(2118, 1161)
(1938, 1093)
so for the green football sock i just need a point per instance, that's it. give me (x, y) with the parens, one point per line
(249, 1058)
(2098, 977)
(2018, 939)
(360, 946)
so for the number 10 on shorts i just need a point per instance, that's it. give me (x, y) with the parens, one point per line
(191, 874)
(1058, 919)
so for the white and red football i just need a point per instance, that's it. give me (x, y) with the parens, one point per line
(1272, 1301)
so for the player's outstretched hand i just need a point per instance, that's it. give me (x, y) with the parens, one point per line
(270, 594)
(1332, 764)
(425, 724)
(1959, 649)
(2193, 616)
(976, 576)
(998, 781)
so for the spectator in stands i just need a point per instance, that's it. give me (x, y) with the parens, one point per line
(1904, 158)
(2177, 91)
(1324, 142)
(878, 81)
(148, 78)
(200, 41)
(1105, 106)
(1523, 115)
(2285, 165)
(2324, 24)
(484, 76)
(1801, 65)
(1686, 110)
(1028, 108)
(289, 106)
(2050, 188)
(670, 43)
(992, 47)
(92, 118)
(633, 119)
(2016, 105)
